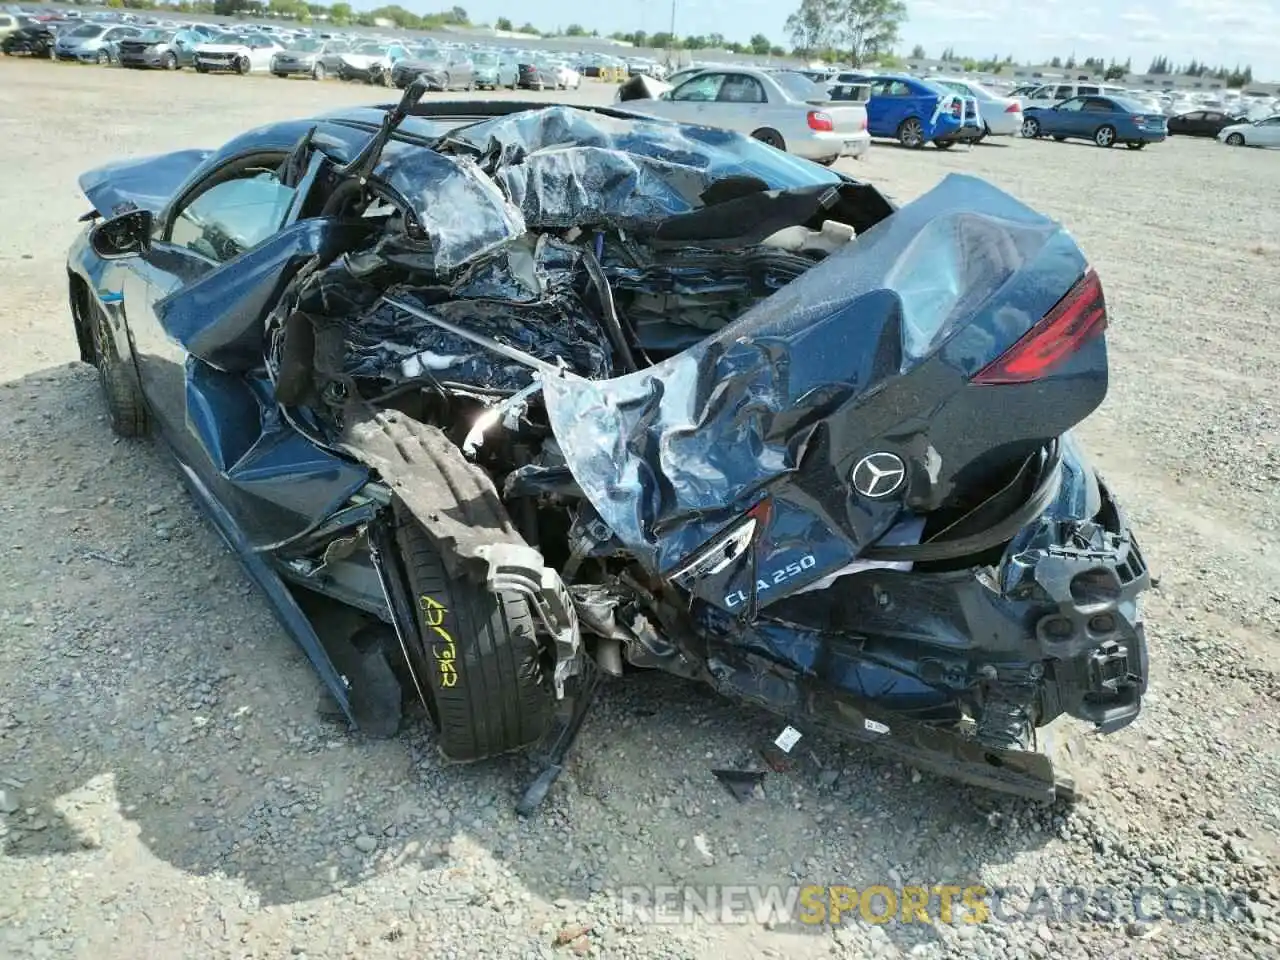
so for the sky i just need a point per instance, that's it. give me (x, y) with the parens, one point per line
(1214, 31)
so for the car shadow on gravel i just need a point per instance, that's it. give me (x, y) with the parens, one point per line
(149, 697)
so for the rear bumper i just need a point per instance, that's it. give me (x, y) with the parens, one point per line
(972, 131)
(989, 653)
(828, 146)
(1003, 124)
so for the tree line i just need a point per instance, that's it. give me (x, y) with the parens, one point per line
(1237, 77)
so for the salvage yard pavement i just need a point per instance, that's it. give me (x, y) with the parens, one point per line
(169, 789)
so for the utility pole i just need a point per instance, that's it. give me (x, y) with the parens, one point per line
(671, 36)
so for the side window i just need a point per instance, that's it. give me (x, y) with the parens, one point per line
(739, 88)
(232, 217)
(1072, 105)
(1098, 105)
(701, 89)
(1087, 90)
(1044, 93)
(1064, 90)
(1201, 115)
(900, 89)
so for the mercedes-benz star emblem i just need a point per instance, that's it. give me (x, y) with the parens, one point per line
(878, 475)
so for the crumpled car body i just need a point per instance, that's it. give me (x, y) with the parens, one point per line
(704, 407)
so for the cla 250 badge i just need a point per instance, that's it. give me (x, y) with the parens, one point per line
(770, 580)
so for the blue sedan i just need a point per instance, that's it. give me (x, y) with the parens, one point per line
(914, 111)
(1104, 120)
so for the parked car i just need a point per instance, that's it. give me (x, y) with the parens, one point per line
(783, 109)
(371, 61)
(568, 78)
(240, 53)
(1104, 120)
(1259, 133)
(534, 74)
(1046, 95)
(491, 71)
(1200, 123)
(854, 498)
(91, 42)
(309, 57)
(442, 69)
(31, 37)
(10, 23)
(159, 49)
(1001, 116)
(916, 112)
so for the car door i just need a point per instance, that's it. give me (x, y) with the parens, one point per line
(742, 105)
(1066, 119)
(1098, 111)
(882, 107)
(462, 70)
(1266, 133)
(233, 209)
(690, 102)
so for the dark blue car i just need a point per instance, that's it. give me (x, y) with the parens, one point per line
(1104, 120)
(493, 399)
(915, 111)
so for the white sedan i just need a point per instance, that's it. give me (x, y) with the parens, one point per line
(1259, 133)
(567, 78)
(237, 53)
(780, 108)
(1001, 116)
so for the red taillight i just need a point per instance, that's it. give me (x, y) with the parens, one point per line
(1013, 108)
(821, 122)
(1075, 319)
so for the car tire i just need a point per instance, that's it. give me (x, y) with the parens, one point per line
(126, 408)
(243, 66)
(169, 61)
(103, 58)
(318, 72)
(282, 76)
(771, 137)
(911, 133)
(1135, 144)
(1031, 128)
(500, 697)
(1105, 136)
(1235, 139)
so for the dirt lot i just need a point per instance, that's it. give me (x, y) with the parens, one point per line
(168, 789)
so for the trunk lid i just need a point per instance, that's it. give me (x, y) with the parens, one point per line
(842, 406)
(144, 183)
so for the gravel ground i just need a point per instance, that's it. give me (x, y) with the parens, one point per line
(168, 788)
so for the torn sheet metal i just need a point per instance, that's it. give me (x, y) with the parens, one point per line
(461, 214)
(780, 404)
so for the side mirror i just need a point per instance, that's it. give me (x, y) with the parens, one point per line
(126, 235)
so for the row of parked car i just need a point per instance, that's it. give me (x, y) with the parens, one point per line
(210, 48)
(800, 109)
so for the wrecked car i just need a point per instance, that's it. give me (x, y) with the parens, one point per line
(494, 400)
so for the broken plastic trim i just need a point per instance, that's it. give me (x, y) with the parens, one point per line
(519, 568)
(998, 533)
